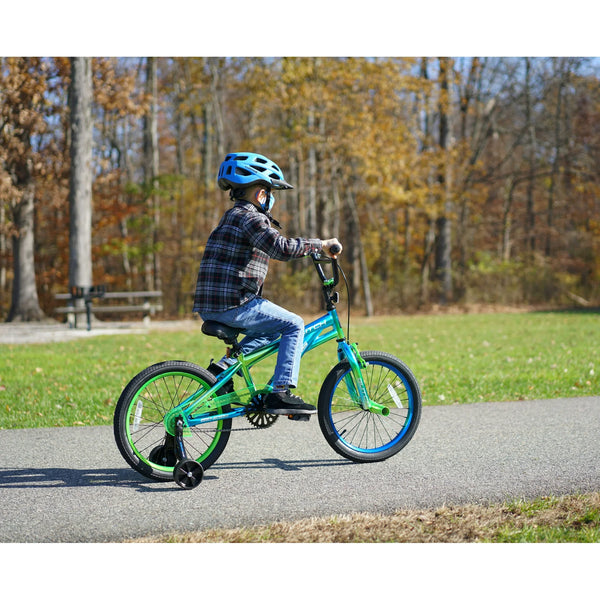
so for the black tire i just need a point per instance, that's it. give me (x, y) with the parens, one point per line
(188, 474)
(363, 436)
(142, 438)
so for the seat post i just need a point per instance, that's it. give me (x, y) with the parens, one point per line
(224, 332)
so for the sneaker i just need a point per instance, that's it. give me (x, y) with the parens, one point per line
(285, 403)
(216, 370)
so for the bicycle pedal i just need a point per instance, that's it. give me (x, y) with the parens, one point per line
(299, 417)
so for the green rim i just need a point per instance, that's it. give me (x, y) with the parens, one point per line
(219, 424)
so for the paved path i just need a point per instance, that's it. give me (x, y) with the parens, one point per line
(45, 333)
(71, 484)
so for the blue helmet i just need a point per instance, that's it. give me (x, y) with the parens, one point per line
(242, 169)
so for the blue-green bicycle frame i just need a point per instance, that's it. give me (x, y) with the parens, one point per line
(204, 405)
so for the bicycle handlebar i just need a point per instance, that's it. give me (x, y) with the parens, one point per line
(318, 259)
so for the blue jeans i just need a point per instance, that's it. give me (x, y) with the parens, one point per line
(263, 322)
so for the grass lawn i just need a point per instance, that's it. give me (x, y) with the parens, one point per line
(456, 359)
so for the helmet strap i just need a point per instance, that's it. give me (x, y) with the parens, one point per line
(264, 208)
(267, 205)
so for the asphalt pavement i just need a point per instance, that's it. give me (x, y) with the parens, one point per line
(72, 485)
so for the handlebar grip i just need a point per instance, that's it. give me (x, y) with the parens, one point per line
(335, 249)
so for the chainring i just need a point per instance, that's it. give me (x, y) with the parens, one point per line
(257, 416)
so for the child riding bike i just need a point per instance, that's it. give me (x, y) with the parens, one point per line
(234, 267)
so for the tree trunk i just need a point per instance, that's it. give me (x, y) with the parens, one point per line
(430, 234)
(125, 166)
(25, 304)
(506, 218)
(563, 82)
(19, 166)
(311, 212)
(443, 263)
(531, 149)
(152, 267)
(219, 136)
(3, 249)
(428, 246)
(366, 287)
(80, 190)
(407, 243)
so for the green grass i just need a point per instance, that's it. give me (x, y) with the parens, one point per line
(570, 519)
(482, 358)
(456, 359)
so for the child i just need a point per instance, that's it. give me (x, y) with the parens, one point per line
(234, 267)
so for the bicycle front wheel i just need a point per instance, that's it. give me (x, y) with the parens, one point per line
(139, 428)
(361, 435)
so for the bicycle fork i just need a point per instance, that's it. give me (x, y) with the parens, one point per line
(355, 382)
(179, 445)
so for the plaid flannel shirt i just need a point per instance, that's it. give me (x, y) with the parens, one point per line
(236, 258)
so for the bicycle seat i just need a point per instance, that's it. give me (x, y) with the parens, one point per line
(220, 330)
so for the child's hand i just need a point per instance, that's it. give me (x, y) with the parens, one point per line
(332, 247)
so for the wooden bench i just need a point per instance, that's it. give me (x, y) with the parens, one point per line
(135, 302)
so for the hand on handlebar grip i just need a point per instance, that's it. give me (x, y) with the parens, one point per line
(332, 247)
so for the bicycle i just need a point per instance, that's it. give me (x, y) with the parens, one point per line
(368, 408)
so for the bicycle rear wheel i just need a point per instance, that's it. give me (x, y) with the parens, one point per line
(139, 429)
(361, 435)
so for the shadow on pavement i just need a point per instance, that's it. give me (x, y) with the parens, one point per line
(59, 477)
(284, 465)
(56, 477)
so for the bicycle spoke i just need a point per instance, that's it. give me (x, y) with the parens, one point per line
(165, 388)
(364, 430)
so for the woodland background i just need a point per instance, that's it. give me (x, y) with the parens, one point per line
(448, 180)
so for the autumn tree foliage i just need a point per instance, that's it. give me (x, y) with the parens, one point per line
(449, 180)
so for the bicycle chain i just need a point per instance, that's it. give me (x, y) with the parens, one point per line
(230, 429)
